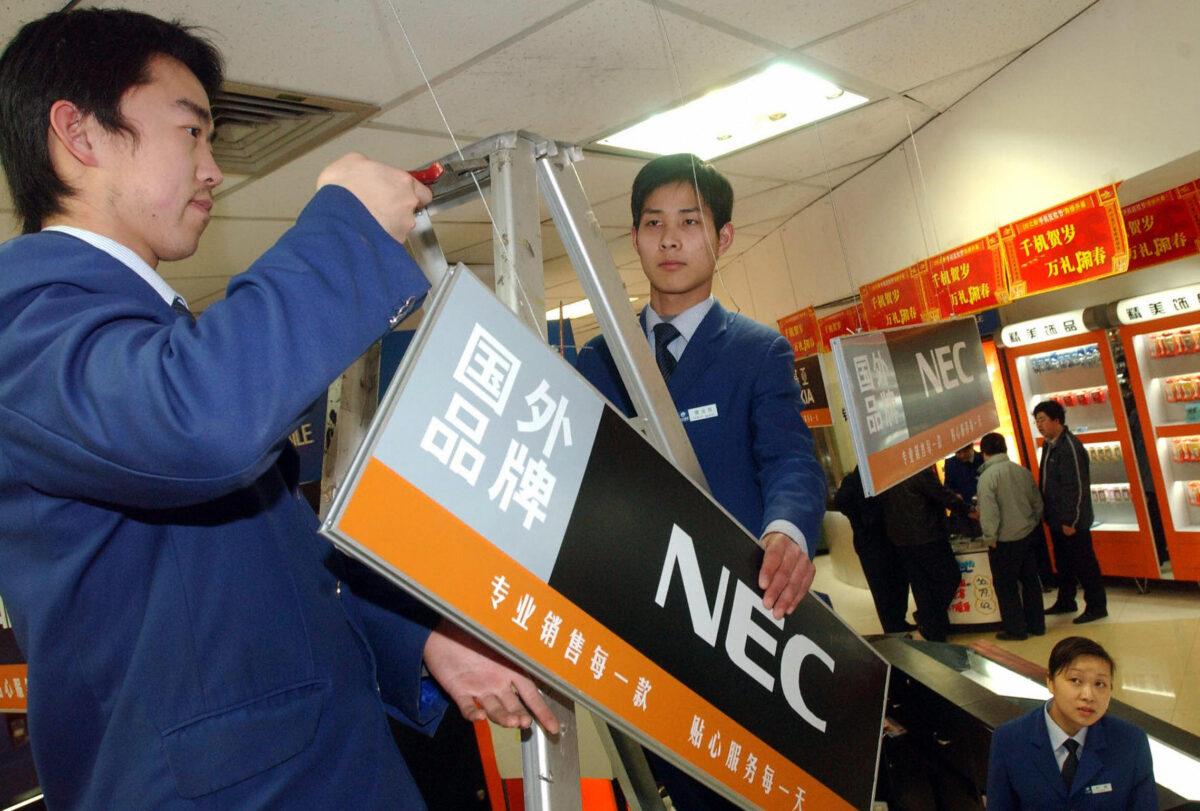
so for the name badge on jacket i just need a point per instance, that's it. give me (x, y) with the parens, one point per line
(1099, 788)
(699, 413)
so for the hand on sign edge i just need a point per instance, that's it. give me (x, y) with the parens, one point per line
(786, 574)
(482, 684)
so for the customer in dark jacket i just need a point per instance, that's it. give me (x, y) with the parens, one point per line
(915, 511)
(1066, 485)
(881, 563)
(960, 473)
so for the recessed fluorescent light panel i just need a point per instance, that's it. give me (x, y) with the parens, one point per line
(779, 99)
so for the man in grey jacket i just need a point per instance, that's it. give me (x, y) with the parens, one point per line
(1066, 485)
(1010, 514)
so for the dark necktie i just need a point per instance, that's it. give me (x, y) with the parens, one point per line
(664, 333)
(1071, 763)
(181, 309)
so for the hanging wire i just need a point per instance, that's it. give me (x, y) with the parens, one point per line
(937, 243)
(662, 27)
(837, 224)
(535, 317)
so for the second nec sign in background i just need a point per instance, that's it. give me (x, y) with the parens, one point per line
(913, 395)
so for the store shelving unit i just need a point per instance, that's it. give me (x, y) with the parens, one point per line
(1080, 373)
(1163, 357)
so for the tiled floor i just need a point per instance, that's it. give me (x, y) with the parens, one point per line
(1154, 638)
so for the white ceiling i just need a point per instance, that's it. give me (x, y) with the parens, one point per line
(576, 71)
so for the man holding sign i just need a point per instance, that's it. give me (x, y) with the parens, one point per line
(730, 378)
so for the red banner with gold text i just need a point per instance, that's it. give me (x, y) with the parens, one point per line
(1074, 242)
(843, 322)
(969, 278)
(902, 299)
(800, 328)
(1163, 227)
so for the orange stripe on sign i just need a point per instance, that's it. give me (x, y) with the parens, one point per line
(449, 560)
(888, 466)
(14, 688)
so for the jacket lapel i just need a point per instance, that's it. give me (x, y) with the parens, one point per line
(1092, 757)
(1042, 754)
(701, 351)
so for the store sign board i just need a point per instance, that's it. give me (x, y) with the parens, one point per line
(903, 298)
(1163, 304)
(913, 396)
(813, 396)
(1078, 241)
(800, 328)
(970, 278)
(1038, 330)
(843, 322)
(499, 487)
(1164, 227)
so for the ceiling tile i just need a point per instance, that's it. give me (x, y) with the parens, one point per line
(316, 46)
(934, 38)
(781, 201)
(285, 191)
(781, 21)
(941, 93)
(850, 137)
(761, 228)
(583, 74)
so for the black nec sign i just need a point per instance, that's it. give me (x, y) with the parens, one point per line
(940, 369)
(688, 598)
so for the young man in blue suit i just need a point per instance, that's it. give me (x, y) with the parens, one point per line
(191, 639)
(1068, 753)
(731, 378)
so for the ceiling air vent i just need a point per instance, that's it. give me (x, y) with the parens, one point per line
(261, 128)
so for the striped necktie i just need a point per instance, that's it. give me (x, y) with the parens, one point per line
(664, 333)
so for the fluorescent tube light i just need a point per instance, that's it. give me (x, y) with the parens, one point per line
(779, 99)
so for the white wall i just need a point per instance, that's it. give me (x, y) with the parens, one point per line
(1109, 96)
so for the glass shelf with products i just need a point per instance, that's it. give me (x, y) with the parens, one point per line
(1170, 367)
(1179, 458)
(1112, 494)
(1074, 378)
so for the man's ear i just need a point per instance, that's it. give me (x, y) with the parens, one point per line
(724, 238)
(72, 129)
(633, 237)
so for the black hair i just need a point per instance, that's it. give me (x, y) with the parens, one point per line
(1052, 409)
(684, 167)
(1071, 648)
(89, 57)
(992, 444)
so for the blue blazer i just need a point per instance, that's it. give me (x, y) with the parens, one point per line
(192, 642)
(756, 453)
(1115, 770)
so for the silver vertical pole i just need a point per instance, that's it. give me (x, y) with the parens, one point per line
(550, 764)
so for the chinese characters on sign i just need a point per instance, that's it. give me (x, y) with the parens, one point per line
(901, 299)
(487, 372)
(876, 381)
(1162, 304)
(1063, 325)
(800, 328)
(1077, 241)
(969, 278)
(1164, 227)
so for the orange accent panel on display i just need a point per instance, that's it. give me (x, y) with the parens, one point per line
(800, 328)
(1074, 242)
(843, 322)
(902, 299)
(1163, 227)
(14, 688)
(460, 570)
(970, 278)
